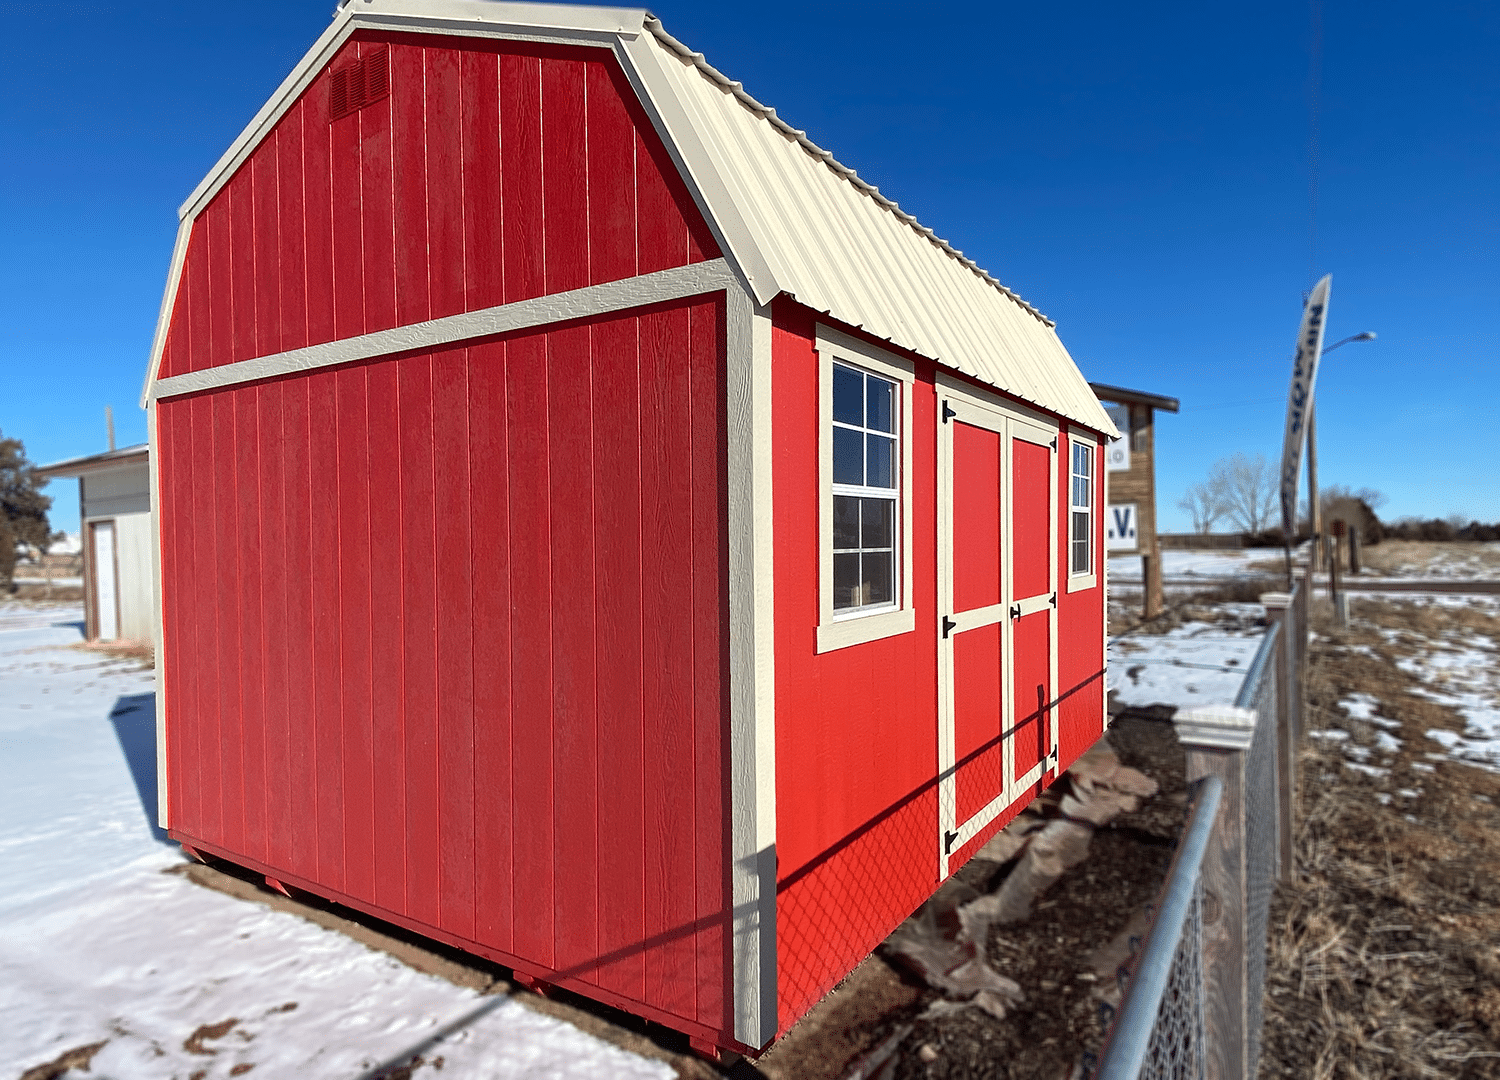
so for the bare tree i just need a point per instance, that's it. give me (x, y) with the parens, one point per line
(1250, 490)
(1204, 503)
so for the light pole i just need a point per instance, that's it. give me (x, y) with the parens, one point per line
(1315, 511)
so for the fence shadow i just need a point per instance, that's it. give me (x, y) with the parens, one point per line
(134, 718)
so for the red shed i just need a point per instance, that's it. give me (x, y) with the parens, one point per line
(597, 530)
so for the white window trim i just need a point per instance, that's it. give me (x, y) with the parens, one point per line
(856, 628)
(1080, 582)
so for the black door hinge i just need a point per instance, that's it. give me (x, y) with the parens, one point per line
(948, 838)
(948, 626)
(1054, 444)
(1054, 599)
(1015, 611)
(948, 412)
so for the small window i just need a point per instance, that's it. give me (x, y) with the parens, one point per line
(1081, 511)
(865, 468)
(865, 492)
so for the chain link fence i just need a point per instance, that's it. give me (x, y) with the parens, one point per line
(1182, 1016)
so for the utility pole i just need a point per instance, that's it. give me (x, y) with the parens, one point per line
(109, 425)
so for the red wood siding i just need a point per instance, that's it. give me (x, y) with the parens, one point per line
(447, 639)
(493, 172)
(1080, 645)
(856, 742)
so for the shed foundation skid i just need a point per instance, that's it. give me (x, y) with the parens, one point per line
(561, 560)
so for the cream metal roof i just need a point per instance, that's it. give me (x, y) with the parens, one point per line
(791, 218)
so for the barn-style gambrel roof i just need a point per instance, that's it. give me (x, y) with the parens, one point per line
(790, 217)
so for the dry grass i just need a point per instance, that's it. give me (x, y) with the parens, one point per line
(1382, 954)
(139, 651)
(1406, 557)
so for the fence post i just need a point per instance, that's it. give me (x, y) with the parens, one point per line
(1278, 607)
(1216, 740)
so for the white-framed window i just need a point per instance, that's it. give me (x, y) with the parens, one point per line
(1083, 505)
(864, 517)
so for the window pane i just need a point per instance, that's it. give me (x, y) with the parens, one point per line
(877, 577)
(875, 516)
(879, 395)
(845, 522)
(1080, 543)
(881, 456)
(848, 457)
(846, 590)
(1080, 492)
(1080, 459)
(848, 390)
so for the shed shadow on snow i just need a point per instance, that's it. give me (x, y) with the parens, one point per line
(134, 717)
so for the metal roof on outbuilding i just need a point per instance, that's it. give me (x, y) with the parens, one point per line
(791, 218)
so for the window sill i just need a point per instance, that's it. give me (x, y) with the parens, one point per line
(859, 629)
(1080, 582)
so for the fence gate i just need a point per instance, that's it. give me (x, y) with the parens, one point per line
(997, 598)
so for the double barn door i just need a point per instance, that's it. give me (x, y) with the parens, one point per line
(997, 610)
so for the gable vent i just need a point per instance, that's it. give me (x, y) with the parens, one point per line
(361, 83)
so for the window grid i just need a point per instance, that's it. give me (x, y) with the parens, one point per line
(1081, 510)
(866, 486)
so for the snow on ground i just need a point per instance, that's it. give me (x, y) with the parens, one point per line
(100, 946)
(1199, 564)
(1197, 663)
(1463, 673)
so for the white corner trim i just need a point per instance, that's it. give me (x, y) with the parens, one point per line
(592, 300)
(168, 302)
(1219, 727)
(709, 179)
(752, 668)
(834, 632)
(163, 780)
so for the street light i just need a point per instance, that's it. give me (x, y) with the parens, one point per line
(1315, 510)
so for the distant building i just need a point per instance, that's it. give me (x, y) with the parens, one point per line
(114, 514)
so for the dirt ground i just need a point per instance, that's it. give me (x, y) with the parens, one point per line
(1383, 958)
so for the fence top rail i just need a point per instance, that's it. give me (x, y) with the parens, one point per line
(1131, 1037)
(1263, 656)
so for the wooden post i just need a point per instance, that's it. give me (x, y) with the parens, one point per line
(1336, 575)
(1151, 580)
(1314, 511)
(1354, 546)
(1278, 614)
(1216, 740)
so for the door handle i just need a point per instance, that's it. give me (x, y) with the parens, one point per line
(1015, 611)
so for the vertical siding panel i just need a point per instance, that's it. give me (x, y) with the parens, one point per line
(386, 633)
(445, 185)
(327, 632)
(354, 503)
(490, 536)
(205, 597)
(274, 635)
(377, 214)
(296, 482)
(248, 577)
(659, 225)
(419, 661)
(710, 638)
(521, 174)
(667, 621)
(293, 223)
(200, 340)
(530, 643)
(226, 626)
(317, 211)
(219, 290)
(575, 745)
(455, 664)
(268, 268)
(564, 177)
(409, 149)
(348, 224)
(484, 278)
(617, 560)
(611, 178)
(241, 191)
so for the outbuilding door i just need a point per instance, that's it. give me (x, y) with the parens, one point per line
(997, 598)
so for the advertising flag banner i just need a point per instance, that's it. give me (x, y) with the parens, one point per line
(1300, 398)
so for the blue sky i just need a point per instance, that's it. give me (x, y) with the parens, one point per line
(1139, 172)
